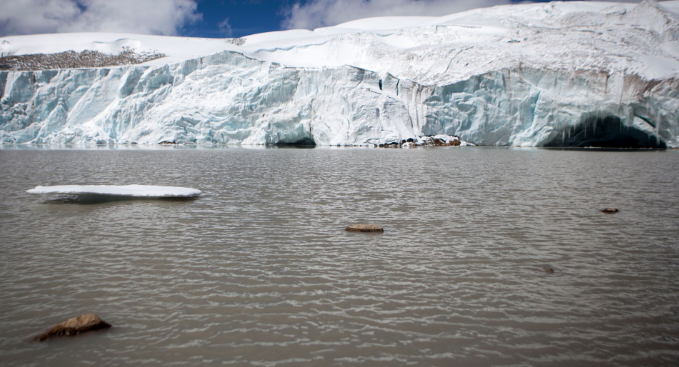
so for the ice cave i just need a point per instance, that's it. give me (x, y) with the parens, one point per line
(606, 132)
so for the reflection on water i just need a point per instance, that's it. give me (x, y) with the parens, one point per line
(99, 199)
(259, 270)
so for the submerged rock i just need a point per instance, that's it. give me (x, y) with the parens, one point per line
(75, 326)
(610, 210)
(365, 228)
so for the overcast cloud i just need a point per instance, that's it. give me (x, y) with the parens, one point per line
(164, 17)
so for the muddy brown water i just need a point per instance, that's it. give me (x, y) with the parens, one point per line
(259, 271)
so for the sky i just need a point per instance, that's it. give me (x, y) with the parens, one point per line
(209, 18)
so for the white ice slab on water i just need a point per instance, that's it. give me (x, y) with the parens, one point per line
(139, 191)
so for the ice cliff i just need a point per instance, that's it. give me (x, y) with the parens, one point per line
(557, 74)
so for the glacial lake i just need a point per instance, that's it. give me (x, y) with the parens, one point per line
(259, 271)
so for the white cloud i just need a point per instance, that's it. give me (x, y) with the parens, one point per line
(322, 13)
(130, 16)
(225, 27)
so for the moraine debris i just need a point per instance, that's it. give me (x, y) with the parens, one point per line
(427, 141)
(74, 60)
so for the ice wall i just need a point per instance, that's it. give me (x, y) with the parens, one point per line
(531, 107)
(223, 98)
(230, 98)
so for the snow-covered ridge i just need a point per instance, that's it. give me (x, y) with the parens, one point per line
(525, 75)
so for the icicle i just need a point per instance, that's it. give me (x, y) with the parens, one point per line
(622, 88)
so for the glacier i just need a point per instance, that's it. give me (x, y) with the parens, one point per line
(555, 74)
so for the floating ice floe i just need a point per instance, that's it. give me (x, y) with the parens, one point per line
(103, 192)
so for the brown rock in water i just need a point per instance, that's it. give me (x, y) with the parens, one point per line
(549, 270)
(610, 210)
(438, 142)
(365, 228)
(75, 326)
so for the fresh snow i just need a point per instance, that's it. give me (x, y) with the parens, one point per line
(140, 191)
(382, 23)
(508, 75)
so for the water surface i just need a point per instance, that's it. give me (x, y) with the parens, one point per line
(259, 272)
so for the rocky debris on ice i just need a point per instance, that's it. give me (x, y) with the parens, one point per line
(235, 41)
(72, 59)
(427, 141)
(75, 326)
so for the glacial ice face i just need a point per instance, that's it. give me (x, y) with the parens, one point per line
(528, 107)
(223, 98)
(492, 92)
(230, 98)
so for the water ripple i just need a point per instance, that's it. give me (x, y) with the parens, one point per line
(259, 271)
